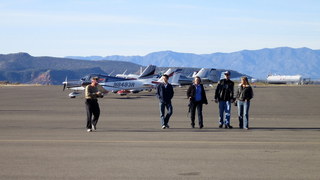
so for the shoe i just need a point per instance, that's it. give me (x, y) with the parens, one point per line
(167, 126)
(93, 127)
(163, 127)
(246, 128)
(221, 125)
(89, 130)
(228, 126)
(192, 125)
(201, 126)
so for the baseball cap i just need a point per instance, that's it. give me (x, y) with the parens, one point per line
(95, 78)
(227, 72)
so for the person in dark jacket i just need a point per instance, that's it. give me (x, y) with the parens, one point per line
(165, 94)
(224, 95)
(197, 97)
(244, 95)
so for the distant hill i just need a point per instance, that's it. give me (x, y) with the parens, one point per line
(23, 68)
(256, 63)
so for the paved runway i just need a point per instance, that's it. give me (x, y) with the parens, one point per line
(43, 137)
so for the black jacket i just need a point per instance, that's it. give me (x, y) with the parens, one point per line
(165, 94)
(224, 91)
(192, 93)
(244, 93)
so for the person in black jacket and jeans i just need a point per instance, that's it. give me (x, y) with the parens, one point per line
(165, 94)
(225, 96)
(197, 96)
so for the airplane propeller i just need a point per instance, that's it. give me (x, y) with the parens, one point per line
(65, 83)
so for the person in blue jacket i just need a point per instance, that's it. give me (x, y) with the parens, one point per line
(165, 94)
(197, 97)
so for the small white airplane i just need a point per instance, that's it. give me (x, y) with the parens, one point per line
(118, 85)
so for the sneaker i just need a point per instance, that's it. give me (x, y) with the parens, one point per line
(93, 127)
(201, 126)
(163, 127)
(221, 125)
(89, 130)
(167, 126)
(246, 128)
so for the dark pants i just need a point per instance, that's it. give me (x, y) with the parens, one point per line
(165, 118)
(193, 106)
(92, 108)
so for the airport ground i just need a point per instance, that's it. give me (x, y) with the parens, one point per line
(43, 137)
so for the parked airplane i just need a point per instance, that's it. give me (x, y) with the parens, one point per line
(147, 73)
(174, 78)
(115, 84)
(208, 76)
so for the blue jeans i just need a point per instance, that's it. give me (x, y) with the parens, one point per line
(165, 118)
(243, 113)
(224, 109)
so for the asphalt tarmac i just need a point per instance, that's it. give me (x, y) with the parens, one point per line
(43, 136)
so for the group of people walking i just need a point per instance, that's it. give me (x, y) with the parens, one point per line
(224, 96)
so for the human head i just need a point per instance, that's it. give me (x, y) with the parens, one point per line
(94, 81)
(244, 80)
(197, 80)
(165, 78)
(227, 74)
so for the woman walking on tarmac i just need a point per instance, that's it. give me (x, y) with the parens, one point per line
(197, 97)
(244, 95)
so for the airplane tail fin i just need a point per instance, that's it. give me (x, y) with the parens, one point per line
(174, 80)
(202, 73)
(214, 75)
(169, 72)
(149, 71)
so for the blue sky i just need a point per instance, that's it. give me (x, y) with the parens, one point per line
(138, 27)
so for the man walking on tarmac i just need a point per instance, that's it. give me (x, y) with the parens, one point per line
(165, 94)
(224, 96)
(92, 92)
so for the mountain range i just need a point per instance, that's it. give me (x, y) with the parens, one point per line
(256, 63)
(24, 68)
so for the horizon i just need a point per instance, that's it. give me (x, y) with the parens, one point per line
(136, 28)
(157, 52)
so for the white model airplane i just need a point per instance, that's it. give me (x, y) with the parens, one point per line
(118, 85)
